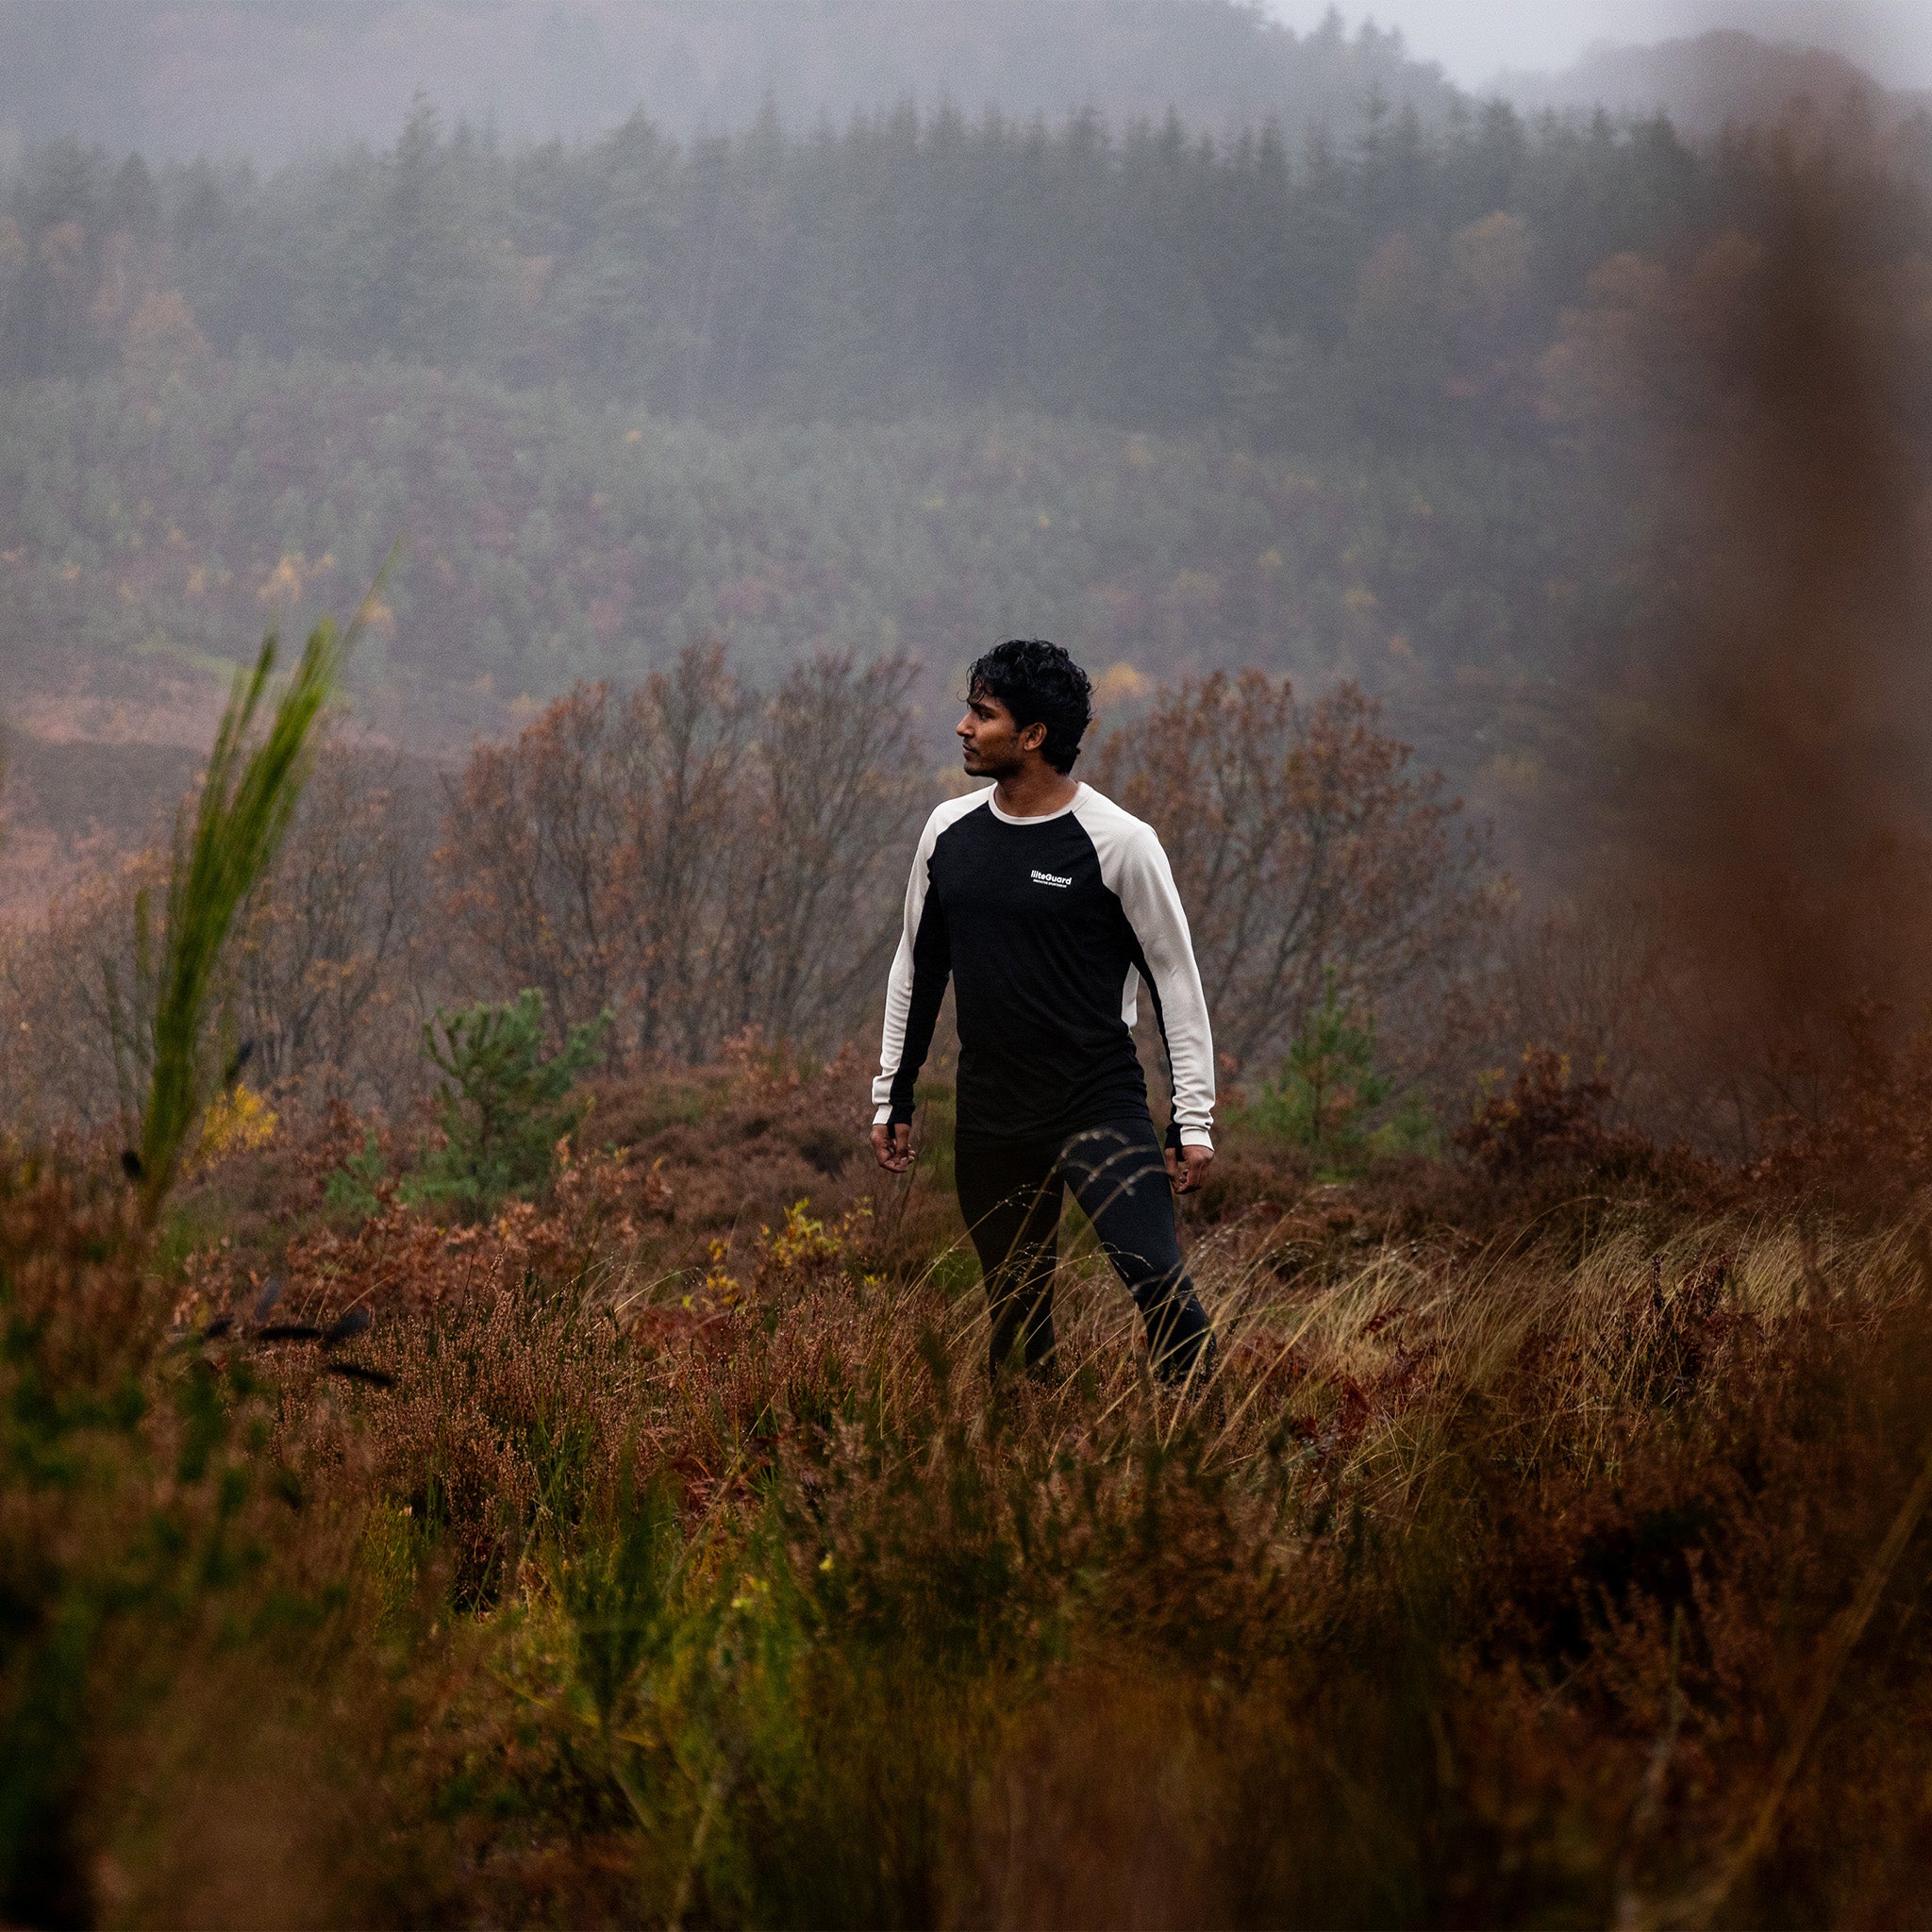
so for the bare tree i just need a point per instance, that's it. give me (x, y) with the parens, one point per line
(73, 1007)
(828, 797)
(1302, 845)
(534, 856)
(687, 732)
(320, 984)
(327, 964)
(692, 856)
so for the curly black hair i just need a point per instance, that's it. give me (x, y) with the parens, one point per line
(1039, 684)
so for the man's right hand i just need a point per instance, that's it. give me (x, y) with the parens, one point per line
(892, 1143)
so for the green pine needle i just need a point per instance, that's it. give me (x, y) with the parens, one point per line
(236, 834)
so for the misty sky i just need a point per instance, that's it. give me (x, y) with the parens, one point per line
(1473, 38)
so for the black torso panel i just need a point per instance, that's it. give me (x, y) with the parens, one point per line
(1040, 950)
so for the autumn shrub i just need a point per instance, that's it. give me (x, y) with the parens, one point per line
(1866, 1150)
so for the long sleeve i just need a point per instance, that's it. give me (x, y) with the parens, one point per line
(916, 988)
(1143, 882)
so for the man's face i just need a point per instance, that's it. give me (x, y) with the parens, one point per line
(995, 748)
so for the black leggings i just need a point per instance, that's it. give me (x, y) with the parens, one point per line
(1009, 1192)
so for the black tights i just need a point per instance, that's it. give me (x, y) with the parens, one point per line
(1009, 1192)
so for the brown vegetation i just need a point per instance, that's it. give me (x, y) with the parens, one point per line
(1451, 1608)
(324, 981)
(705, 861)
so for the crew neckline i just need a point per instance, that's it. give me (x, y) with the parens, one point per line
(1041, 818)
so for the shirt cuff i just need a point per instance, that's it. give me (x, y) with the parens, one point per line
(1197, 1136)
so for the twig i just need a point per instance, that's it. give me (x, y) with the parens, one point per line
(1696, 1909)
(1631, 1914)
(714, 1796)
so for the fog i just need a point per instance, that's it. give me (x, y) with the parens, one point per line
(275, 82)
(1478, 41)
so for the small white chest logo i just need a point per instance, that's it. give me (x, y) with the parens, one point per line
(1046, 878)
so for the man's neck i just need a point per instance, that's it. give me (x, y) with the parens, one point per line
(1034, 793)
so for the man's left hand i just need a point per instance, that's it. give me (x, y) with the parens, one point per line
(1188, 1169)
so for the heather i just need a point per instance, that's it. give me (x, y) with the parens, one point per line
(656, 1549)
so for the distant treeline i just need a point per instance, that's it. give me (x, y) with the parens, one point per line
(1396, 288)
(272, 82)
(1446, 466)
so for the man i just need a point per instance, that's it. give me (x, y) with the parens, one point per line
(1046, 903)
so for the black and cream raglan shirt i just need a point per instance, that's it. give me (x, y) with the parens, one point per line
(1047, 927)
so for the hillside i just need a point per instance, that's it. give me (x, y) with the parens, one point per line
(548, 543)
(1391, 414)
(275, 82)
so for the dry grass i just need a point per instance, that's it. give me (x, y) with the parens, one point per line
(1503, 1574)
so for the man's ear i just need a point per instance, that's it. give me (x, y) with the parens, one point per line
(1032, 737)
